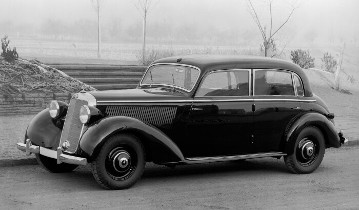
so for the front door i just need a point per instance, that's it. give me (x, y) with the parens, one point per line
(220, 118)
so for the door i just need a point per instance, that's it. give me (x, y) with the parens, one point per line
(220, 117)
(276, 104)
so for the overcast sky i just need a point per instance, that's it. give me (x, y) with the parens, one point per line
(339, 17)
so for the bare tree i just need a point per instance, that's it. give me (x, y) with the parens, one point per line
(144, 7)
(339, 68)
(97, 8)
(268, 39)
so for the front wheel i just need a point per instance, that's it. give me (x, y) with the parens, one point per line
(120, 162)
(51, 165)
(309, 150)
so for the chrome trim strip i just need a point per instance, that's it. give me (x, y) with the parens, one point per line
(291, 100)
(174, 64)
(204, 101)
(233, 157)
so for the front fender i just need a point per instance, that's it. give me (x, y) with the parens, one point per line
(97, 133)
(312, 119)
(42, 130)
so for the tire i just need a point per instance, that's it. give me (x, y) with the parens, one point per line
(309, 149)
(119, 163)
(51, 165)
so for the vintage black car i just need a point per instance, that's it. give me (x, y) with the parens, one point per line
(185, 110)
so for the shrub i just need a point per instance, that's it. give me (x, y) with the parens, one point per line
(152, 55)
(329, 62)
(9, 54)
(302, 58)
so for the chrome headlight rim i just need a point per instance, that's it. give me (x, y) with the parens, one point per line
(85, 114)
(54, 109)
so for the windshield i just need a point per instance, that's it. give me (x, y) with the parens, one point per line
(183, 77)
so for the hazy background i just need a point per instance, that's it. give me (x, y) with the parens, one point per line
(34, 25)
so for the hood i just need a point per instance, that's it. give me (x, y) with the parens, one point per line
(136, 94)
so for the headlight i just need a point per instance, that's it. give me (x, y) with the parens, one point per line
(85, 114)
(54, 109)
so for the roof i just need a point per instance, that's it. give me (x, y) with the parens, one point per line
(205, 62)
(220, 62)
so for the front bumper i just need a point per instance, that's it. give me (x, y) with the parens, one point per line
(58, 154)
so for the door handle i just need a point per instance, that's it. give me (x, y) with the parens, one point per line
(196, 109)
(296, 108)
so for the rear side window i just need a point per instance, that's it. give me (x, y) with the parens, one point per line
(225, 83)
(273, 82)
(298, 85)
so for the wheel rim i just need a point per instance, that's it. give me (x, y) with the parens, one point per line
(120, 163)
(307, 151)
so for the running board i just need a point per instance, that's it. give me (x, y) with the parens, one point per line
(233, 157)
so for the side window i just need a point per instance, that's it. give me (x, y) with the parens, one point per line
(272, 82)
(298, 85)
(225, 83)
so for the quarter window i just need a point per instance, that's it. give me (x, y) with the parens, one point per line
(298, 85)
(225, 83)
(272, 82)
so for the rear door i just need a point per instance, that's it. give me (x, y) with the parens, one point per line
(276, 104)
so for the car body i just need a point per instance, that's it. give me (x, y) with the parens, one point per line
(185, 110)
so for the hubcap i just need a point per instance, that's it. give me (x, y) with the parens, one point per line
(307, 149)
(306, 152)
(119, 163)
(121, 160)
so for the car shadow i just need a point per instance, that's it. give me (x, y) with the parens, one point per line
(264, 165)
(84, 181)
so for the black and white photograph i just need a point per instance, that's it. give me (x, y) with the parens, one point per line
(179, 104)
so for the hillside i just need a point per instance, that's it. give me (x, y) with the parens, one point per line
(343, 105)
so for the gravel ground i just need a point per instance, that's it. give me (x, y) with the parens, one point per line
(12, 131)
(253, 184)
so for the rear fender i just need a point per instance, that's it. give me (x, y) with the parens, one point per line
(312, 119)
(97, 134)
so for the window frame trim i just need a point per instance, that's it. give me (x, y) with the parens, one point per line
(278, 70)
(168, 85)
(225, 70)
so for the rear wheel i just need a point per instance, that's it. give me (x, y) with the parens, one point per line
(51, 165)
(120, 162)
(308, 152)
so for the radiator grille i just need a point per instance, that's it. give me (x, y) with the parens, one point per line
(72, 128)
(154, 115)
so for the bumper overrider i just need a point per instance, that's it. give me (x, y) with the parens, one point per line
(58, 154)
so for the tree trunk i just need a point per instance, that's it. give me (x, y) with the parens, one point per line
(265, 45)
(337, 72)
(144, 37)
(98, 30)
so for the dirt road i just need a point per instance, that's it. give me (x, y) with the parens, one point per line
(253, 184)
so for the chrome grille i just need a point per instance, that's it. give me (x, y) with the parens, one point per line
(72, 127)
(154, 115)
